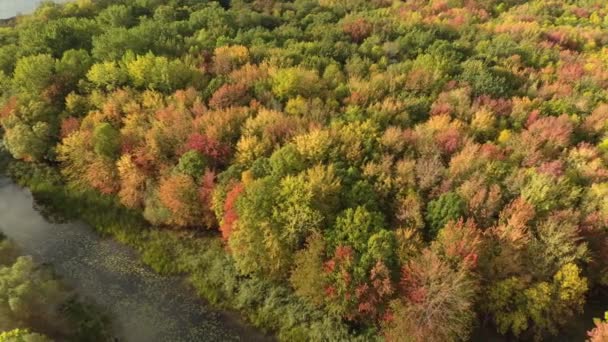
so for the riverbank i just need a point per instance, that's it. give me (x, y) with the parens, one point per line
(200, 258)
(144, 306)
(47, 305)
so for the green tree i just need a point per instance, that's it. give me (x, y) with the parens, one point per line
(256, 241)
(33, 74)
(28, 143)
(307, 277)
(543, 307)
(106, 140)
(22, 335)
(192, 163)
(158, 73)
(116, 16)
(449, 206)
(107, 75)
(72, 67)
(485, 80)
(29, 297)
(289, 83)
(355, 227)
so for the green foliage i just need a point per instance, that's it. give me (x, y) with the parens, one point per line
(285, 161)
(30, 297)
(355, 227)
(106, 140)
(116, 16)
(8, 252)
(256, 241)
(192, 163)
(289, 83)
(33, 74)
(35, 299)
(8, 58)
(22, 335)
(307, 278)
(546, 193)
(483, 80)
(543, 306)
(73, 66)
(158, 73)
(25, 142)
(107, 75)
(447, 207)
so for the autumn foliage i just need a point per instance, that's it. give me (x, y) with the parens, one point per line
(402, 167)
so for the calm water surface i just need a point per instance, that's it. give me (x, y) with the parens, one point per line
(145, 307)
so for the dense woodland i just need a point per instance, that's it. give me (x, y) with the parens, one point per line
(414, 169)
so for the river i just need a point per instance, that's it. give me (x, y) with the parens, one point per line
(143, 306)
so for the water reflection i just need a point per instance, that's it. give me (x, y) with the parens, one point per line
(145, 306)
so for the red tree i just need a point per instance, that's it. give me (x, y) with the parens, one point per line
(230, 212)
(358, 29)
(208, 147)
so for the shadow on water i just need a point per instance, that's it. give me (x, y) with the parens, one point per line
(143, 305)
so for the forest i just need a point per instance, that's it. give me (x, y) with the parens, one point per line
(334, 169)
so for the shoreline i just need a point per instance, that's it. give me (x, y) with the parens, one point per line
(232, 322)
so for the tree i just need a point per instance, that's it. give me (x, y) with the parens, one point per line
(115, 42)
(106, 140)
(33, 74)
(547, 193)
(178, 193)
(116, 16)
(230, 211)
(29, 297)
(28, 143)
(484, 80)
(294, 211)
(158, 73)
(228, 58)
(230, 95)
(132, 182)
(459, 243)
(72, 67)
(357, 29)
(288, 83)
(8, 252)
(22, 335)
(354, 227)
(256, 240)
(107, 75)
(440, 211)
(286, 160)
(543, 306)
(437, 302)
(545, 138)
(209, 147)
(307, 277)
(600, 332)
(557, 242)
(192, 163)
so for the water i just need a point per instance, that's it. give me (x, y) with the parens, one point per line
(144, 306)
(10, 8)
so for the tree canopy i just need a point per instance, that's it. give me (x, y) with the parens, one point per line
(381, 159)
